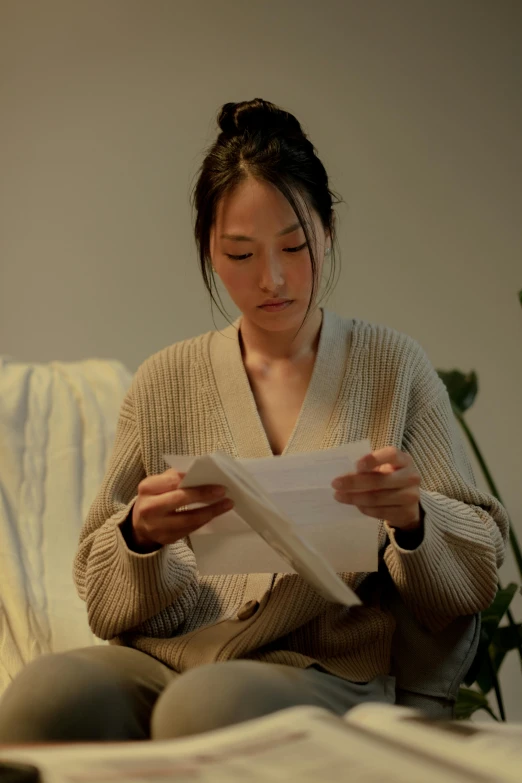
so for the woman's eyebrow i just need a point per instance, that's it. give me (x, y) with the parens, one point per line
(242, 238)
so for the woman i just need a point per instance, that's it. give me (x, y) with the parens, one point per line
(192, 653)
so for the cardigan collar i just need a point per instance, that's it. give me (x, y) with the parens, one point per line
(237, 399)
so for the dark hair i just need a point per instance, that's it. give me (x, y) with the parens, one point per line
(259, 139)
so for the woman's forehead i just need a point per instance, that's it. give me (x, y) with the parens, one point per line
(256, 207)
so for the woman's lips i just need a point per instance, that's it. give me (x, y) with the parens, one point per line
(277, 306)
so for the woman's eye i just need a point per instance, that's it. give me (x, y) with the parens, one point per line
(286, 250)
(296, 249)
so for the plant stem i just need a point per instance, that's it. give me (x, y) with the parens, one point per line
(496, 686)
(512, 537)
(511, 621)
(492, 486)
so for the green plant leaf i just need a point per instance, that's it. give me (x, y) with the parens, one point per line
(488, 674)
(462, 389)
(491, 618)
(470, 701)
(505, 639)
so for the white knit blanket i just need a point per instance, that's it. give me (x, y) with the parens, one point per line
(57, 425)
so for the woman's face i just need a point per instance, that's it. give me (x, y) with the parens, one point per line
(258, 250)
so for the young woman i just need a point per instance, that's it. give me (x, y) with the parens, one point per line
(191, 653)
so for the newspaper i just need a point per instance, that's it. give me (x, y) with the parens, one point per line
(486, 751)
(285, 519)
(302, 744)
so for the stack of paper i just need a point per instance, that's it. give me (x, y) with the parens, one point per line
(374, 742)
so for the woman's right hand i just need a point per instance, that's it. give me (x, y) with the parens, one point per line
(156, 520)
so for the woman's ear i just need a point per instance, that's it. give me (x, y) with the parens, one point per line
(327, 242)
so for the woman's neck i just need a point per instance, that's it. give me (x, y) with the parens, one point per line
(281, 346)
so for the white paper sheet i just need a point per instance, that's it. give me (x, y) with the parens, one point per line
(253, 504)
(299, 487)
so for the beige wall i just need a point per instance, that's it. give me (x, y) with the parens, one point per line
(414, 106)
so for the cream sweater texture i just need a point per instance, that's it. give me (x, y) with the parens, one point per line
(193, 397)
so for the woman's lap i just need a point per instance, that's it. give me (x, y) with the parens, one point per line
(118, 693)
(220, 694)
(104, 692)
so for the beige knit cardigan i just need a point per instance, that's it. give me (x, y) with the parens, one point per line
(193, 397)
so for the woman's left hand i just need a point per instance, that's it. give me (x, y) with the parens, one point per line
(385, 486)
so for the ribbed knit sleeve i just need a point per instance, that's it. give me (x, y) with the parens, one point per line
(122, 588)
(453, 571)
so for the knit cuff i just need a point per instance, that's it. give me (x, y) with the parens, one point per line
(452, 572)
(150, 573)
(130, 571)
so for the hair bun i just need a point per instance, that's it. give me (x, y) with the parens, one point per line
(236, 119)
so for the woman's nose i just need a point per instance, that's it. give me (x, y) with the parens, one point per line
(271, 277)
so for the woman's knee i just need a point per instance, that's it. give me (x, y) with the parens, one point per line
(221, 694)
(67, 696)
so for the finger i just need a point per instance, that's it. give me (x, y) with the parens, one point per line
(398, 497)
(163, 482)
(389, 454)
(186, 522)
(376, 480)
(168, 503)
(187, 496)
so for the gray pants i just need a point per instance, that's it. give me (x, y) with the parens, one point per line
(118, 693)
